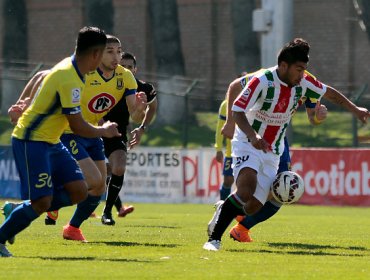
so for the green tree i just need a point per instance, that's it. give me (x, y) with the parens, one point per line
(165, 30)
(100, 13)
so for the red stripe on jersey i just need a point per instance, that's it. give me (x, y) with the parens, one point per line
(313, 81)
(270, 133)
(284, 99)
(244, 99)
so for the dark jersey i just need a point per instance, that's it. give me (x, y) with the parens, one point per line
(120, 115)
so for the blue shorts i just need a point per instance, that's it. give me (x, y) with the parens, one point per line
(81, 147)
(43, 166)
(227, 169)
(285, 161)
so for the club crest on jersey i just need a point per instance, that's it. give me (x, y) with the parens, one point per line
(101, 103)
(119, 83)
(76, 95)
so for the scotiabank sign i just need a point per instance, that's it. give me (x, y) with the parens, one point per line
(334, 176)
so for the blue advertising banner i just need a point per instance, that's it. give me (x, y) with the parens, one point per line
(9, 179)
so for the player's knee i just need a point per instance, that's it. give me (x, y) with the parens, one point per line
(118, 170)
(79, 194)
(95, 181)
(98, 189)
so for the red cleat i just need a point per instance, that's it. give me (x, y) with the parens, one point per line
(73, 233)
(240, 233)
(125, 210)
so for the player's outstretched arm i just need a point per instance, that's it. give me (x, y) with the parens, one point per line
(135, 135)
(80, 127)
(25, 99)
(338, 98)
(232, 93)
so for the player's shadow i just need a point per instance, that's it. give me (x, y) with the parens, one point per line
(152, 226)
(308, 249)
(71, 258)
(130, 244)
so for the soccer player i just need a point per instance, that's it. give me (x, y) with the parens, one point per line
(262, 113)
(115, 148)
(227, 171)
(241, 231)
(50, 177)
(106, 86)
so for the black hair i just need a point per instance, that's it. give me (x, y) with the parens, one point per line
(127, 55)
(112, 39)
(294, 51)
(90, 37)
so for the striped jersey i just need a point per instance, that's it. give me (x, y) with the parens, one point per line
(58, 95)
(269, 105)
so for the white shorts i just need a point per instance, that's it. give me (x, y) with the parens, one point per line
(266, 165)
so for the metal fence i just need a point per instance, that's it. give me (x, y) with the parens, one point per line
(179, 97)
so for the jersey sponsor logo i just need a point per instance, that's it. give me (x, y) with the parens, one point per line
(101, 103)
(76, 95)
(95, 83)
(272, 118)
(119, 83)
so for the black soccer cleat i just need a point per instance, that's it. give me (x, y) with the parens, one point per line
(49, 221)
(106, 219)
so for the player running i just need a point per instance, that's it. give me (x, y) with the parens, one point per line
(262, 113)
(50, 177)
(116, 148)
(241, 231)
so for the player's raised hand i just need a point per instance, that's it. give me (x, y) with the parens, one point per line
(110, 130)
(321, 111)
(362, 114)
(228, 129)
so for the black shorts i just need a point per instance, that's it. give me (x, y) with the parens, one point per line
(114, 144)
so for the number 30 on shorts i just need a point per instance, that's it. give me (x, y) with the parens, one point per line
(44, 180)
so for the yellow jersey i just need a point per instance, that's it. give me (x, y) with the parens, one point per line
(219, 137)
(58, 95)
(100, 95)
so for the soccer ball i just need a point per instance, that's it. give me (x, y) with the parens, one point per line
(287, 187)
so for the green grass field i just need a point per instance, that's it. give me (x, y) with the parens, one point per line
(164, 241)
